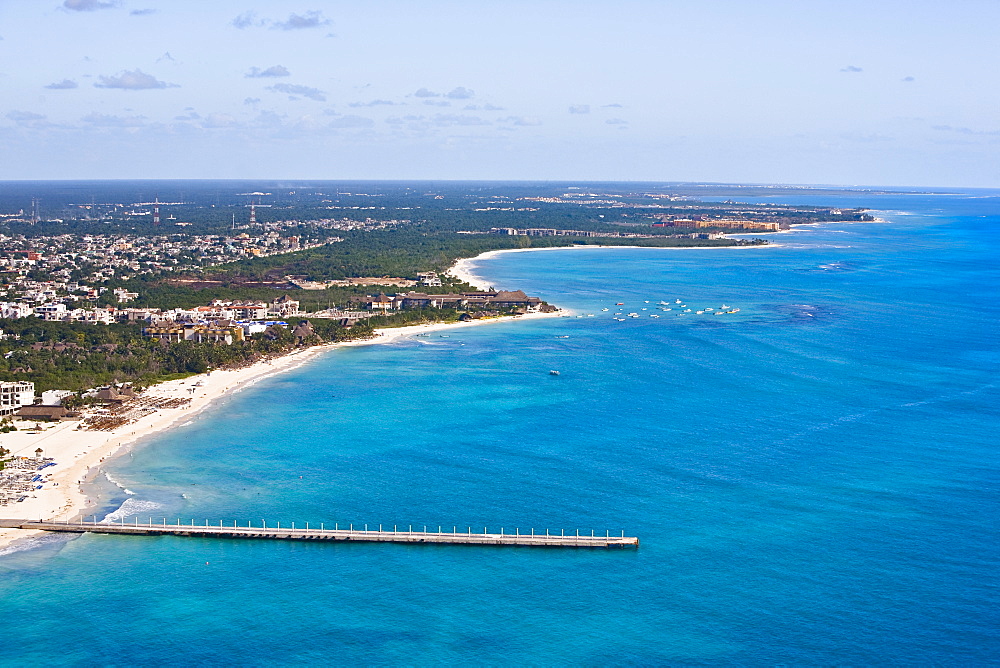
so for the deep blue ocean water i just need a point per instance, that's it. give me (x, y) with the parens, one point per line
(814, 479)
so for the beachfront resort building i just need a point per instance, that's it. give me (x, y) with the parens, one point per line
(14, 394)
(492, 299)
(175, 333)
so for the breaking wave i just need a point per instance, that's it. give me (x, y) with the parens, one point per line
(131, 508)
(118, 484)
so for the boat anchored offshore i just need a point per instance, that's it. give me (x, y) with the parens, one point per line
(553, 372)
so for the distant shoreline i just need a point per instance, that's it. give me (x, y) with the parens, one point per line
(462, 269)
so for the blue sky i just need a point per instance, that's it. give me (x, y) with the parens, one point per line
(877, 92)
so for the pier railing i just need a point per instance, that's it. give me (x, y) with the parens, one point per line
(350, 532)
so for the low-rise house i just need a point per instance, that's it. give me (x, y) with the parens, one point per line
(429, 278)
(380, 303)
(123, 295)
(14, 395)
(284, 306)
(51, 311)
(14, 310)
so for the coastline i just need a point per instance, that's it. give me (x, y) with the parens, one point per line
(79, 454)
(463, 268)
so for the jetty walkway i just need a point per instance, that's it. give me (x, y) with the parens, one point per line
(208, 530)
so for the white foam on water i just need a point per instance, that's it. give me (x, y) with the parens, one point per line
(118, 484)
(32, 543)
(131, 507)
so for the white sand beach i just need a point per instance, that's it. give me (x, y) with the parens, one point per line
(78, 454)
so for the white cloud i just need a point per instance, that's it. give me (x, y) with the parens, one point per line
(460, 93)
(24, 116)
(579, 109)
(88, 5)
(65, 84)
(273, 71)
(373, 103)
(246, 20)
(141, 12)
(295, 89)
(616, 121)
(136, 80)
(438, 103)
(851, 68)
(311, 19)
(423, 92)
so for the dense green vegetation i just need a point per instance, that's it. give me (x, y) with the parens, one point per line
(94, 355)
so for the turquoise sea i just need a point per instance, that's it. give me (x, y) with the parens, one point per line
(815, 479)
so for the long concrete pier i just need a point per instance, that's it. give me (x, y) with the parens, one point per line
(234, 530)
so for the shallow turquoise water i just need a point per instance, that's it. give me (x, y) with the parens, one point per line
(814, 479)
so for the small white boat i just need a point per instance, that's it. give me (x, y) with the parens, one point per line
(553, 372)
(699, 312)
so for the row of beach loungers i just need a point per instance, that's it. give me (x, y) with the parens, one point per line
(20, 477)
(162, 402)
(129, 412)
